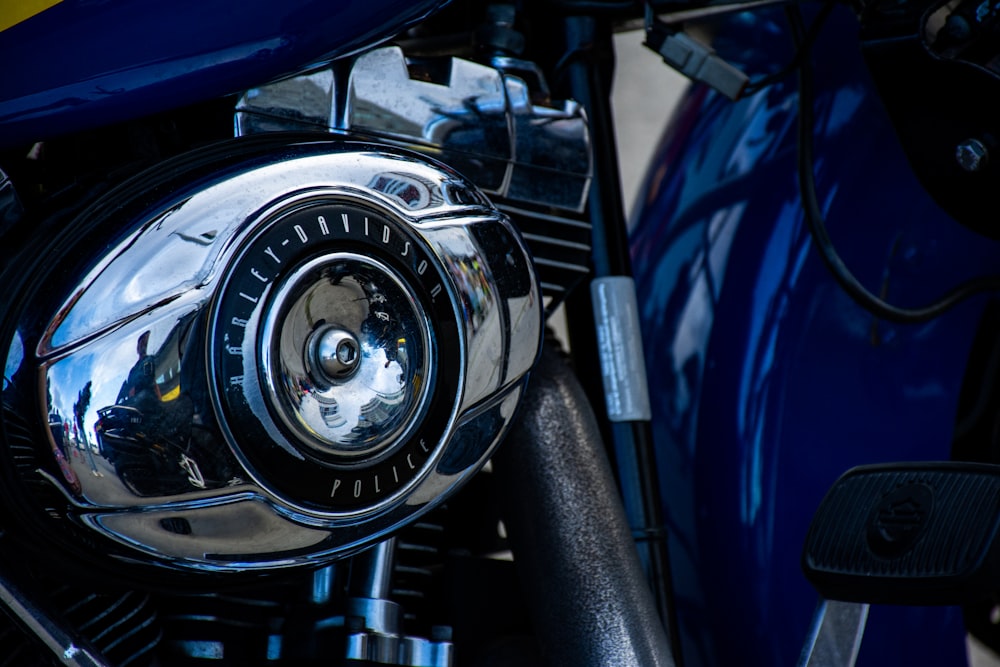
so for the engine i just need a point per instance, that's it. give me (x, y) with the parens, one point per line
(249, 383)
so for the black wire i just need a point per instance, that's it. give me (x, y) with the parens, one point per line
(817, 227)
(803, 46)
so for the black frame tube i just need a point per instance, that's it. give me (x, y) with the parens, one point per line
(589, 75)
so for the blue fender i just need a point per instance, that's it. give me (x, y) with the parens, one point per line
(767, 381)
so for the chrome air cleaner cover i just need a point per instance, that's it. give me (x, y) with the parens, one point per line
(286, 353)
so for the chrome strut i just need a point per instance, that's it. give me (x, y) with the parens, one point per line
(835, 636)
(373, 620)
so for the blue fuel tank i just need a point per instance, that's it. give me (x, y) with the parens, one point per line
(67, 65)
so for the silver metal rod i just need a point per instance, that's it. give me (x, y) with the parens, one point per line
(72, 650)
(371, 571)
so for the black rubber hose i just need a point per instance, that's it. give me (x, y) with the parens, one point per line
(573, 549)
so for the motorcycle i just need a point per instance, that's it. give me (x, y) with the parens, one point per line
(277, 281)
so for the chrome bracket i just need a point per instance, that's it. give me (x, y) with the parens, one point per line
(373, 623)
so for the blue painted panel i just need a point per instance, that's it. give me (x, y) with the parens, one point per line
(768, 382)
(83, 63)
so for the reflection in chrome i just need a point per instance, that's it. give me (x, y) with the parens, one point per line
(495, 124)
(139, 423)
(129, 370)
(376, 324)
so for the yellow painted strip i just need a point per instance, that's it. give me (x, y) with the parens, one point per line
(171, 395)
(13, 12)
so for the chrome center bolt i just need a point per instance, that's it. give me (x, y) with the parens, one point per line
(335, 353)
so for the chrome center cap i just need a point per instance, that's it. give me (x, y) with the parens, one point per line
(346, 351)
(335, 354)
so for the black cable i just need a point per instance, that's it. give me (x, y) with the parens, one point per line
(803, 47)
(817, 227)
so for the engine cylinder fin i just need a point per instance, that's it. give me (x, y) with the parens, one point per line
(123, 626)
(419, 554)
(261, 626)
(23, 450)
(559, 245)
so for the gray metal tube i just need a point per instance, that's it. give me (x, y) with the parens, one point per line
(572, 546)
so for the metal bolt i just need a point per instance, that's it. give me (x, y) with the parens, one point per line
(337, 353)
(347, 352)
(972, 155)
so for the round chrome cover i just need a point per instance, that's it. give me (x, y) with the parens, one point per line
(347, 356)
(290, 351)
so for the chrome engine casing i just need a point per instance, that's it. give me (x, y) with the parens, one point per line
(496, 122)
(199, 420)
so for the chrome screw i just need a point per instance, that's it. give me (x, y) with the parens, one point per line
(972, 155)
(337, 353)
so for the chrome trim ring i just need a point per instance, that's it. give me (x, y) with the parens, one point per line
(336, 446)
(353, 389)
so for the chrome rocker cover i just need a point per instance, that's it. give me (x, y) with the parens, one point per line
(285, 354)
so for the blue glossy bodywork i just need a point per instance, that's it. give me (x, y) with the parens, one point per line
(767, 381)
(82, 63)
